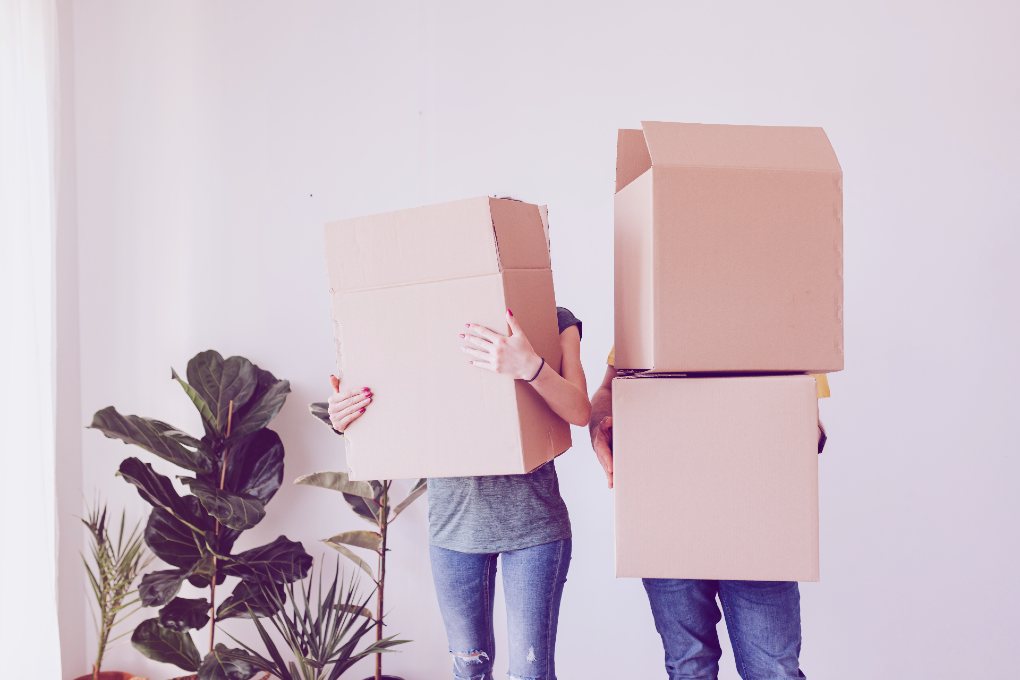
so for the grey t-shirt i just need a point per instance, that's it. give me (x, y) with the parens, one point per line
(500, 512)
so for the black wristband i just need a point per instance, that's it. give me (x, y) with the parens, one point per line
(540, 367)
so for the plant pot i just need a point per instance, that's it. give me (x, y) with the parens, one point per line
(111, 675)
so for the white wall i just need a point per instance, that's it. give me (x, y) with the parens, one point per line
(215, 138)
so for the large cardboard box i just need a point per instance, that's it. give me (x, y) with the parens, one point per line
(716, 478)
(403, 285)
(728, 250)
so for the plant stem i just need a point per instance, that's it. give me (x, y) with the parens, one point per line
(216, 530)
(384, 515)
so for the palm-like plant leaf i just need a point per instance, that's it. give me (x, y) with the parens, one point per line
(321, 626)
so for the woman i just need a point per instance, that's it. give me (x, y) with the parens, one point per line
(474, 520)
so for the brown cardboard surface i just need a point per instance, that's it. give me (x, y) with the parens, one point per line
(729, 250)
(396, 322)
(716, 478)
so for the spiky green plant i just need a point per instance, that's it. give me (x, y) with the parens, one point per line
(115, 566)
(371, 501)
(321, 629)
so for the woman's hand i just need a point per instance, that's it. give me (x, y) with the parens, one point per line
(510, 355)
(347, 407)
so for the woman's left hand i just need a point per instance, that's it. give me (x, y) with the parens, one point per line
(510, 355)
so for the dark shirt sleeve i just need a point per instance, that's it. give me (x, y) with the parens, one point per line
(567, 319)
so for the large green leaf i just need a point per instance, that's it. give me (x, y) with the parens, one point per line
(203, 408)
(166, 646)
(416, 491)
(281, 561)
(363, 497)
(262, 407)
(237, 511)
(184, 613)
(338, 481)
(221, 543)
(320, 410)
(251, 596)
(255, 465)
(172, 540)
(352, 556)
(159, 587)
(153, 436)
(226, 664)
(219, 381)
(202, 573)
(154, 488)
(363, 507)
(359, 539)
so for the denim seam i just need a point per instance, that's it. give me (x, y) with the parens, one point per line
(490, 634)
(738, 656)
(549, 623)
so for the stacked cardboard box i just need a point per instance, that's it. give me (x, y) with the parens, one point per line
(728, 275)
(403, 285)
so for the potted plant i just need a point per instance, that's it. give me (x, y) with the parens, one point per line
(232, 472)
(321, 629)
(113, 567)
(371, 501)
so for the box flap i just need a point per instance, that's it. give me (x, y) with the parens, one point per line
(632, 158)
(521, 238)
(462, 239)
(742, 146)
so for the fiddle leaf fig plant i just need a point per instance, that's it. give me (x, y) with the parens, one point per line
(371, 501)
(232, 472)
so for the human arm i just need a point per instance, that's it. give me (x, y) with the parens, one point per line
(512, 355)
(600, 425)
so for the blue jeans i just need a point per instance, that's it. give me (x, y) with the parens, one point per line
(533, 581)
(763, 619)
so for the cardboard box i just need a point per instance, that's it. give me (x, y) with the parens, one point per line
(716, 478)
(403, 285)
(728, 251)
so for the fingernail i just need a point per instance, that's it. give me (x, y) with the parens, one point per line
(509, 311)
(362, 410)
(365, 389)
(467, 325)
(460, 335)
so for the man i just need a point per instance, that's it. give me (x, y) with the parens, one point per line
(763, 617)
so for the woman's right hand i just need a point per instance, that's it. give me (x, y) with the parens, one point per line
(346, 407)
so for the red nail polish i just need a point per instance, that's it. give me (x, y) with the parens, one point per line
(509, 311)
(362, 410)
(365, 389)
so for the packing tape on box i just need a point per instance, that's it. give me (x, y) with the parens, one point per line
(822, 383)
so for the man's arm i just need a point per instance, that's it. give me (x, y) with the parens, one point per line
(601, 425)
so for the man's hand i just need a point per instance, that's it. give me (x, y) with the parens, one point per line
(602, 442)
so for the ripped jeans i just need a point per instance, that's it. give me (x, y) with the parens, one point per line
(533, 581)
